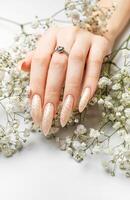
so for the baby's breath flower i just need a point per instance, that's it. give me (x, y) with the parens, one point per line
(88, 15)
(127, 112)
(94, 133)
(113, 96)
(104, 81)
(117, 86)
(117, 125)
(81, 129)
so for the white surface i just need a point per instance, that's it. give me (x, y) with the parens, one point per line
(41, 171)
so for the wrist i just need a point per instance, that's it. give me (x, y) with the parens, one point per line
(111, 36)
(119, 18)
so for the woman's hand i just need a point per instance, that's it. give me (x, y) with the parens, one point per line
(50, 71)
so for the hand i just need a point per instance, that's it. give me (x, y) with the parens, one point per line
(50, 71)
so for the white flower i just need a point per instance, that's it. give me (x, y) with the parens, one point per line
(121, 132)
(123, 118)
(120, 108)
(76, 144)
(104, 81)
(68, 141)
(117, 86)
(108, 104)
(75, 16)
(100, 101)
(118, 114)
(108, 98)
(117, 77)
(127, 112)
(124, 71)
(126, 95)
(76, 120)
(125, 100)
(111, 117)
(81, 129)
(94, 133)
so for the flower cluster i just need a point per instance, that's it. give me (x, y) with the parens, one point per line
(13, 96)
(89, 14)
(110, 135)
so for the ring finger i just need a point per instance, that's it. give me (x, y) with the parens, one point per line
(56, 77)
(76, 64)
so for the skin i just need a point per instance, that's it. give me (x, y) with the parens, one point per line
(50, 71)
(83, 48)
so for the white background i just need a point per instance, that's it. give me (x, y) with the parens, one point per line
(41, 171)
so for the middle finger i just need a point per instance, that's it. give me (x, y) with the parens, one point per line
(56, 77)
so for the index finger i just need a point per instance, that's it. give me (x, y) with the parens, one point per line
(39, 69)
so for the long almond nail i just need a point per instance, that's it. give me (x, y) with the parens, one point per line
(47, 118)
(84, 99)
(66, 110)
(36, 108)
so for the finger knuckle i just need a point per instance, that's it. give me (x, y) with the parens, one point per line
(94, 76)
(38, 58)
(73, 85)
(96, 61)
(77, 55)
(52, 94)
(59, 60)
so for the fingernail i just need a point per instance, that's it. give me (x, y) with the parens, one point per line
(21, 64)
(47, 118)
(36, 109)
(66, 110)
(84, 99)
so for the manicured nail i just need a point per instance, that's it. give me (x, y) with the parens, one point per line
(36, 109)
(66, 110)
(47, 118)
(21, 65)
(84, 99)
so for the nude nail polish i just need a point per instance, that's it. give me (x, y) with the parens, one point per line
(84, 99)
(36, 108)
(66, 110)
(47, 118)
